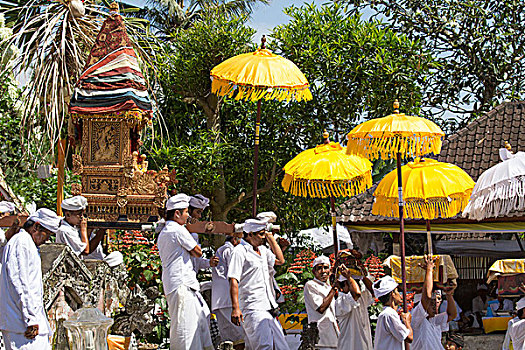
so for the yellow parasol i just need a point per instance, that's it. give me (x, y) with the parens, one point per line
(396, 136)
(327, 171)
(431, 190)
(256, 76)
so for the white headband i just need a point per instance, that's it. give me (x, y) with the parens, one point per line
(321, 259)
(74, 203)
(7, 207)
(199, 201)
(178, 201)
(384, 286)
(254, 225)
(47, 219)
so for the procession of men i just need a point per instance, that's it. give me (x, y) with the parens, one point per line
(244, 298)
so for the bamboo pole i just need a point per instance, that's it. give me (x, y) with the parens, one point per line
(61, 150)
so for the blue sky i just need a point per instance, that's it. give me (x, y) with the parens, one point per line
(266, 17)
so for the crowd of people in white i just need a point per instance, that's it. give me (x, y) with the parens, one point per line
(244, 295)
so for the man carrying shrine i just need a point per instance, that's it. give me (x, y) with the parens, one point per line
(73, 231)
(188, 311)
(427, 323)
(351, 310)
(319, 299)
(198, 203)
(23, 319)
(253, 304)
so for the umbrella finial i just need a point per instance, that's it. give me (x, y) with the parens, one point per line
(263, 42)
(508, 146)
(396, 106)
(113, 7)
(326, 140)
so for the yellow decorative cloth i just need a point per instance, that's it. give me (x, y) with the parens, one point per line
(506, 267)
(385, 137)
(415, 274)
(326, 171)
(431, 190)
(260, 74)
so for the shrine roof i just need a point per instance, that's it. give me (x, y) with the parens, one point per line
(112, 80)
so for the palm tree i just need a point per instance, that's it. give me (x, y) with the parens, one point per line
(167, 17)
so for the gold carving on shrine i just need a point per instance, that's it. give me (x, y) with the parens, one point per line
(105, 142)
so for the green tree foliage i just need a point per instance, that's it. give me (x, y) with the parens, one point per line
(479, 44)
(354, 67)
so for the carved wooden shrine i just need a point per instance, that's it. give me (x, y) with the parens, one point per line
(109, 108)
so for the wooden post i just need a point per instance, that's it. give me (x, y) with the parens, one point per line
(402, 230)
(334, 226)
(429, 238)
(256, 159)
(61, 151)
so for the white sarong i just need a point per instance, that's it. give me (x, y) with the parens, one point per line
(189, 316)
(17, 341)
(228, 331)
(263, 332)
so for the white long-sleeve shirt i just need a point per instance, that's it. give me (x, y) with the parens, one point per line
(517, 334)
(21, 288)
(354, 321)
(70, 235)
(506, 342)
(220, 287)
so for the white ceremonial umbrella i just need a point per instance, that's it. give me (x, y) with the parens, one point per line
(500, 189)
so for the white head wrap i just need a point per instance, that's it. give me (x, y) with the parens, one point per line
(199, 201)
(114, 259)
(178, 201)
(74, 203)
(520, 304)
(254, 225)
(268, 216)
(342, 278)
(321, 259)
(47, 219)
(384, 286)
(7, 207)
(482, 286)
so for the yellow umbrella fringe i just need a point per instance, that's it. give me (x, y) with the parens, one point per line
(387, 146)
(253, 93)
(419, 209)
(324, 189)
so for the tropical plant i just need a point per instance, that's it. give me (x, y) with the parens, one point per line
(479, 45)
(53, 42)
(168, 17)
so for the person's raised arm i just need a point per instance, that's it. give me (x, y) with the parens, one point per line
(452, 311)
(236, 316)
(407, 320)
(428, 284)
(279, 257)
(355, 290)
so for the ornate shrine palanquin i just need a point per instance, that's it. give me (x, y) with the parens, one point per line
(115, 180)
(109, 108)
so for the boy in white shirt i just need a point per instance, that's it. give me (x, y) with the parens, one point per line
(320, 304)
(391, 330)
(426, 322)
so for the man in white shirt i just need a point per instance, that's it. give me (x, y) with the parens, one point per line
(23, 319)
(221, 303)
(73, 231)
(391, 332)
(319, 299)
(503, 304)
(428, 325)
(198, 203)
(351, 310)
(517, 331)
(480, 304)
(253, 304)
(189, 313)
(506, 341)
